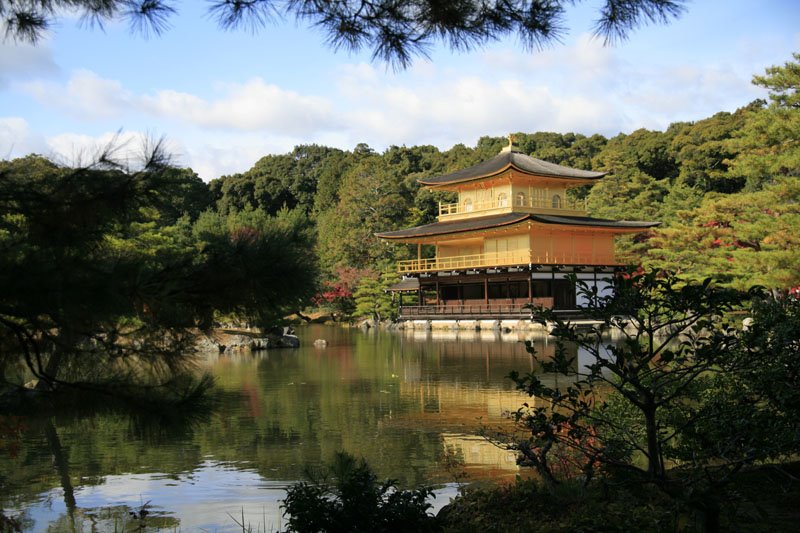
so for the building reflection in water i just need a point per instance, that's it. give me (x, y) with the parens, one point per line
(450, 397)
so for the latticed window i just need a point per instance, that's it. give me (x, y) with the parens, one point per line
(502, 200)
(556, 201)
(521, 199)
(468, 205)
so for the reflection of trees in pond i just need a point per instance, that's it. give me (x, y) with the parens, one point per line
(78, 445)
(384, 397)
(61, 465)
(475, 450)
(144, 517)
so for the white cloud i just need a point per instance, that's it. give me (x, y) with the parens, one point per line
(17, 139)
(209, 155)
(251, 106)
(583, 87)
(494, 98)
(86, 95)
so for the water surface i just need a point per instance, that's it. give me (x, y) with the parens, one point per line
(408, 402)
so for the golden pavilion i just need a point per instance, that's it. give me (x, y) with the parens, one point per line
(512, 238)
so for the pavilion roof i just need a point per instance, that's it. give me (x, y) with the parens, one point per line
(404, 285)
(509, 219)
(511, 159)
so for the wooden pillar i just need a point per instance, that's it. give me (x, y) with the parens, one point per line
(419, 251)
(486, 290)
(438, 301)
(530, 289)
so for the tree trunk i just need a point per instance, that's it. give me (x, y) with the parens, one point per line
(64, 342)
(655, 465)
(50, 372)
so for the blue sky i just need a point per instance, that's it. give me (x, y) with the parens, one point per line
(225, 99)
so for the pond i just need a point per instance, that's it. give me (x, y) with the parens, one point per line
(411, 403)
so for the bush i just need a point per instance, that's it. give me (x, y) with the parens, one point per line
(347, 497)
(529, 506)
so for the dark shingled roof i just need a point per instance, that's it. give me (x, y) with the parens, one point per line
(596, 222)
(456, 226)
(496, 221)
(517, 160)
(404, 285)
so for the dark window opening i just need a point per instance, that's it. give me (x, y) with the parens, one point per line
(450, 292)
(473, 291)
(518, 289)
(541, 289)
(498, 290)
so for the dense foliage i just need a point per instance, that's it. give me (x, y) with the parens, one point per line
(683, 400)
(105, 271)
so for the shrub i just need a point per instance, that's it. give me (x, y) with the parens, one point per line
(347, 497)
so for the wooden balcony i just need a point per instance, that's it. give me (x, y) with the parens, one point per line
(530, 204)
(501, 259)
(460, 262)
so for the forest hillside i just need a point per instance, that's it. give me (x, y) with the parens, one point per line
(725, 189)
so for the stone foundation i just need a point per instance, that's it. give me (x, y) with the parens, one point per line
(473, 325)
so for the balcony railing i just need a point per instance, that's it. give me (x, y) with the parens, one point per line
(474, 309)
(500, 259)
(563, 204)
(458, 262)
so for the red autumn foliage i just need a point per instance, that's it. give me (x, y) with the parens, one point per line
(339, 291)
(716, 224)
(635, 274)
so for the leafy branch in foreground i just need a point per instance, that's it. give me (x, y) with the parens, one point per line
(396, 31)
(678, 399)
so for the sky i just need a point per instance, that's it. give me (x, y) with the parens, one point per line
(222, 100)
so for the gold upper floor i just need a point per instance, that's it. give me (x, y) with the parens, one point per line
(500, 196)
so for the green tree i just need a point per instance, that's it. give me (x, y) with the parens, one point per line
(681, 387)
(743, 239)
(732, 213)
(98, 275)
(371, 297)
(768, 145)
(374, 197)
(289, 180)
(396, 31)
(704, 151)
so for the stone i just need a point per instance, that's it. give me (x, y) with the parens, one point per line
(205, 343)
(290, 341)
(320, 343)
